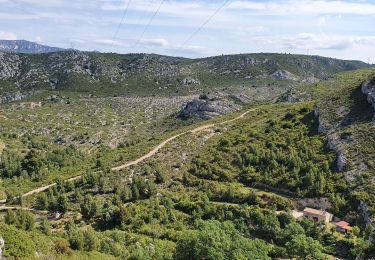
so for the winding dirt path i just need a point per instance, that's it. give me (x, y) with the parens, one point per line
(162, 144)
(148, 155)
(41, 189)
(142, 158)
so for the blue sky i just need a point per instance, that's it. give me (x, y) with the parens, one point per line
(342, 29)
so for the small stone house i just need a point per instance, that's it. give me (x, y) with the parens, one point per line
(317, 215)
(343, 227)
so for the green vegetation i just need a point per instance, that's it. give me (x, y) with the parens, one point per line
(106, 74)
(286, 153)
(348, 118)
(209, 208)
(226, 192)
(215, 240)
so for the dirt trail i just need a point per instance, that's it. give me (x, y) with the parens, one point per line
(148, 155)
(142, 158)
(161, 145)
(41, 189)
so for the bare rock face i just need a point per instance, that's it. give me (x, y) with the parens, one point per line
(9, 65)
(2, 243)
(322, 128)
(207, 108)
(335, 144)
(284, 75)
(190, 81)
(364, 208)
(17, 96)
(368, 88)
(293, 96)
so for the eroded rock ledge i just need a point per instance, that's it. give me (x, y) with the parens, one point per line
(208, 107)
(334, 141)
(368, 88)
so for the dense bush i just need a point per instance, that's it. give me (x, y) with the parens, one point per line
(37, 163)
(17, 243)
(214, 240)
(20, 218)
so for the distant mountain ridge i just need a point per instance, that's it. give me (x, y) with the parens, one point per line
(27, 47)
(150, 74)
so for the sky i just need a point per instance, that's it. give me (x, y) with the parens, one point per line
(196, 28)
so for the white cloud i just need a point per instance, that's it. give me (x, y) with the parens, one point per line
(241, 26)
(76, 4)
(194, 8)
(301, 7)
(322, 21)
(18, 16)
(78, 41)
(310, 41)
(108, 42)
(154, 42)
(38, 39)
(7, 36)
(246, 31)
(188, 50)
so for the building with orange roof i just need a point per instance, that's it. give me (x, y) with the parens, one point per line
(343, 227)
(317, 215)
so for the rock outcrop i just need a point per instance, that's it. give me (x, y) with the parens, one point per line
(284, 75)
(342, 129)
(2, 243)
(334, 143)
(190, 81)
(368, 88)
(334, 140)
(9, 65)
(207, 108)
(322, 128)
(294, 96)
(17, 96)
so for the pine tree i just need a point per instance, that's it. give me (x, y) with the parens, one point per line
(45, 226)
(62, 204)
(10, 217)
(42, 202)
(88, 207)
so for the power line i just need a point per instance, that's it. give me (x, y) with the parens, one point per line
(204, 24)
(121, 22)
(149, 23)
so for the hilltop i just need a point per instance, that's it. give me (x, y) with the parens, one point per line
(150, 74)
(224, 83)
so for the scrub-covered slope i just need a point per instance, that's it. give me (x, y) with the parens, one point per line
(147, 74)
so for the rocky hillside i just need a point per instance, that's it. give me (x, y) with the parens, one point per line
(22, 46)
(345, 107)
(148, 74)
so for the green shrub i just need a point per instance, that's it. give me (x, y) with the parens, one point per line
(17, 242)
